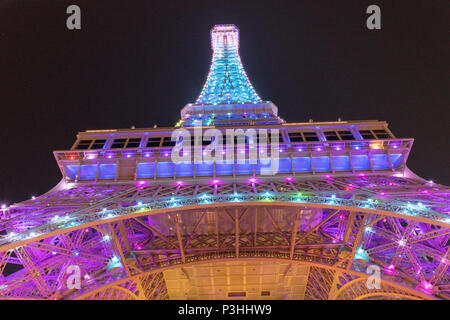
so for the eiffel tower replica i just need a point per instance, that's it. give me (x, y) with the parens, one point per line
(341, 217)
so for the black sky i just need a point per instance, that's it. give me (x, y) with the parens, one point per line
(139, 62)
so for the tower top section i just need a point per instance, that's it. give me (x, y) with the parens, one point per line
(227, 81)
(227, 91)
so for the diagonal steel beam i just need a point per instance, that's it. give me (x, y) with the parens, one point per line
(294, 233)
(236, 234)
(117, 247)
(179, 237)
(321, 223)
(159, 234)
(194, 229)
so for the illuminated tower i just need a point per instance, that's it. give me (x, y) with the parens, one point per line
(228, 97)
(227, 81)
(126, 222)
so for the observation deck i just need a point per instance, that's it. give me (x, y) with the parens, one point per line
(304, 150)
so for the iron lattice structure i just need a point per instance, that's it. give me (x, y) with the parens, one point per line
(227, 81)
(129, 223)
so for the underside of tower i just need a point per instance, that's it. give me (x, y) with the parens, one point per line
(233, 202)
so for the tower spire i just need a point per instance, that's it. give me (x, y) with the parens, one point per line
(228, 96)
(227, 81)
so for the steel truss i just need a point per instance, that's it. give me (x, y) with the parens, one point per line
(124, 236)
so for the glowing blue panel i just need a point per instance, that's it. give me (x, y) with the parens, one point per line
(396, 159)
(71, 171)
(302, 164)
(380, 161)
(185, 170)
(361, 162)
(266, 167)
(224, 169)
(203, 169)
(285, 165)
(88, 172)
(321, 164)
(165, 169)
(146, 170)
(107, 171)
(341, 163)
(244, 168)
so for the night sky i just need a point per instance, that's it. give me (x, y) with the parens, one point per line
(139, 62)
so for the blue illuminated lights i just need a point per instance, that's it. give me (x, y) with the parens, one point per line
(227, 81)
(418, 209)
(268, 196)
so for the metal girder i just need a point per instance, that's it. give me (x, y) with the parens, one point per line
(206, 230)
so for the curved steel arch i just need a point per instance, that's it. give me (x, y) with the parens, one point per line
(288, 239)
(382, 295)
(386, 289)
(50, 228)
(362, 277)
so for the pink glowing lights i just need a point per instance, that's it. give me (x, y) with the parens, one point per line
(349, 187)
(253, 180)
(426, 287)
(390, 269)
